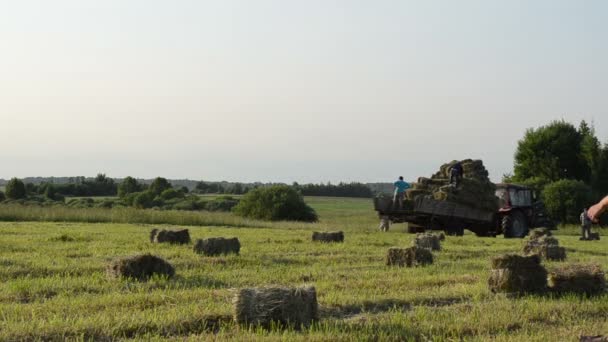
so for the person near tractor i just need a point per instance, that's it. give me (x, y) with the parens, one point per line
(399, 195)
(456, 173)
(596, 210)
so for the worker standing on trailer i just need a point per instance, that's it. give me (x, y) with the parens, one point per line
(399, 196)
(456, 173)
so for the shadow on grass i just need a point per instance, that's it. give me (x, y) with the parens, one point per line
(386, 305)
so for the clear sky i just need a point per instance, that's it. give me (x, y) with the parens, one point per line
(281, 90)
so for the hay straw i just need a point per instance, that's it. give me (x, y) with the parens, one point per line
(539, 232)
(170, 236)
(408, 257)
(547, 247)
(585, 279)
(427, 240)
(296, 307)
(517, 274)
(217, 246)
(328, 236)
(140, 267)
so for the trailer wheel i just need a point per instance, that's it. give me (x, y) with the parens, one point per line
(514, 225)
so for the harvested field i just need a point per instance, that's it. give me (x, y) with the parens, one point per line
(296, 307)
(587, 279)
(328, 236)
(54, 291)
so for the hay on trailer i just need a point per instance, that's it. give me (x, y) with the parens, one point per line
(140, 267)
(296, 307)
(540, 232)
(170, 236)
(217, 246)
(427, 240)
(546, 247)
(328, 236)
(516, 274)
(585, 279)
(408, 257)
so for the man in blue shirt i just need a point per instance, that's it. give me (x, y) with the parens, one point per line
(399, 196)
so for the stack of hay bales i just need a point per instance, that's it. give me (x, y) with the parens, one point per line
(140, 267)
(580, 279)
(539, 232)
(545, 246)
(217, 246)
(428, 241)
(296, 307)
(170, 236)
(409, 257)
(515, 274)
(328, 236)
(475, 190)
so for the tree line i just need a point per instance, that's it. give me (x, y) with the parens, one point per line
(565, 164)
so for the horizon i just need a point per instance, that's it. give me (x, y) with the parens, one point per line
(276, 91)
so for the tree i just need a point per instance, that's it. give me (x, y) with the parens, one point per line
(144, 200)
(2, 196)
(159, 185)
(128, 185)
(274, 203)
(551, 153)
(15, 189)
(566, 198)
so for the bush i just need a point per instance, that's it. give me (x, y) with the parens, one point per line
(279, 202)
(224, 203)
(144, 200)
(15, 189)
(171, 194)
(565, 199)
(2, 196)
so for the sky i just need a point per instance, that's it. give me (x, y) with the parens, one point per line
(283, 90)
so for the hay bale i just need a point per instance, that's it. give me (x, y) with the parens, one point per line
(328, 236)
(547, 247)
(427, 240)
(585, 279)
(441, 236)
(296, 307)
(153, 233)
(517, 274)
(140, 267)
(409, 257)
(595, 338)
(539, 232)
(217, 246)
(170, 236)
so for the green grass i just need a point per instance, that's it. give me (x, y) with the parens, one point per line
(53, 286)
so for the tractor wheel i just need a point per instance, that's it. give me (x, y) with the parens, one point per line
(514, 225)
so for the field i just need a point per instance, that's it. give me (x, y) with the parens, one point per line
(53, 285)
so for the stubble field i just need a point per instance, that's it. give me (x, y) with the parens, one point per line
(53, 284)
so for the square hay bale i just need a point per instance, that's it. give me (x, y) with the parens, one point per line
(170, 236)
(595, 338)
(547, 247)
(427, 240)
(217, 246)
(441, 236)
(140, 267)
(516, 274)
(296, 307)
(408, 257)
(328, 236)
(585, 279)
(539, 232)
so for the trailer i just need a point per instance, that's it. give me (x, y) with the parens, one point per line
(519, 212)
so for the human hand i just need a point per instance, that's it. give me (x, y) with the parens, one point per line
(595, 211)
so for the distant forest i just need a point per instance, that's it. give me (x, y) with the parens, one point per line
(101, 185)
